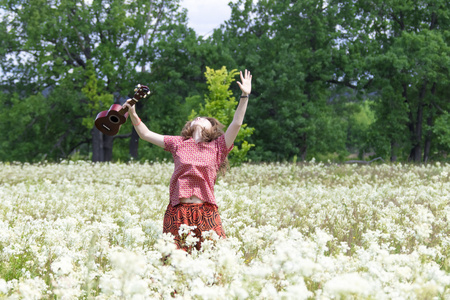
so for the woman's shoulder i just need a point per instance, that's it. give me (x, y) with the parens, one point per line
(171, 142)
(219, 139)
(177, 138)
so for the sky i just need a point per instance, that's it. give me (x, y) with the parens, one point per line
(206, 15)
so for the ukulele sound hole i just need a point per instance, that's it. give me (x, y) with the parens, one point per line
(114, 119)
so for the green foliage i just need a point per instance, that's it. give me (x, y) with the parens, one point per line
(96, 98)
(292, 60)
(442, 131)
(314, 64)
(365, 116)
(359, 122)
(43, 127)
(405, 63)
(220, 104)
(76, 55)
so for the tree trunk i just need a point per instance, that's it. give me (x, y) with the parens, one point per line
(418, 135)
(134, 144)
(428, 136)
(416, 151)
(426, 154)
(108, 147)
(303, 148)
(411, 118)
(97, 145)
(101, 146)
(394, 147)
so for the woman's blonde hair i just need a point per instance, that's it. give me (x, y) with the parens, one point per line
(208, 135)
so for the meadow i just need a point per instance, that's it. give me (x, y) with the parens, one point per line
(78, 230)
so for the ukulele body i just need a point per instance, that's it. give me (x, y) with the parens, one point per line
(109, 121)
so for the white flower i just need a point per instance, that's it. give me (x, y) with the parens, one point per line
(185, 229)
(347, 285)
(322, 238)
(211, 234)
(128, 263)
(237, 291)
(31, 289)
(134, 236)
(423, 224)
(191, 240)
(269, 291)
(166, 244)
(62, 265)
(297, 291)
(3, 286)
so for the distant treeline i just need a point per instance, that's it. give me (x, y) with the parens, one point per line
(331, 79)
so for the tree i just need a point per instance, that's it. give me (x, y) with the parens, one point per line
(47, 125)
(291, 49)
(405, 45)
(45, 42)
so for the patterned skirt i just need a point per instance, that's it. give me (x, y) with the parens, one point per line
(204, 216)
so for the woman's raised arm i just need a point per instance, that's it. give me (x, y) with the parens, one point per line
(246, 88)
(142, 130)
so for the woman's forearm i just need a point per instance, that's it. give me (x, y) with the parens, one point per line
(239, 114)
(146, 134)
(238, 119)
(140, 127)
(134, 118)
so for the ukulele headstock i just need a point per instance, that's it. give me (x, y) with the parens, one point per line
(141, 92)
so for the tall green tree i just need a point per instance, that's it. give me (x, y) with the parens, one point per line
(405, 46)
(43, 126)
(292, 50)
(44, 43)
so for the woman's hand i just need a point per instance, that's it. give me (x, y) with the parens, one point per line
(246, 85)
(131, 108)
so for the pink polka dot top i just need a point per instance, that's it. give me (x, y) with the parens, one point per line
(196, 166)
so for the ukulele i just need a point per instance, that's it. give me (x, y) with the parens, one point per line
(109, 121)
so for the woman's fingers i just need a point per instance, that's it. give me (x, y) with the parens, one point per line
(127, 103)
(245, 75)
(246, 81)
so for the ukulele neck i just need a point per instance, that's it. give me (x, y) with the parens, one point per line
(124, 110)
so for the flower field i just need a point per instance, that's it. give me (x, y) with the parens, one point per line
(77, 230)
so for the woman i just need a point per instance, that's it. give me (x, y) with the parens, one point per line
(199, 153)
